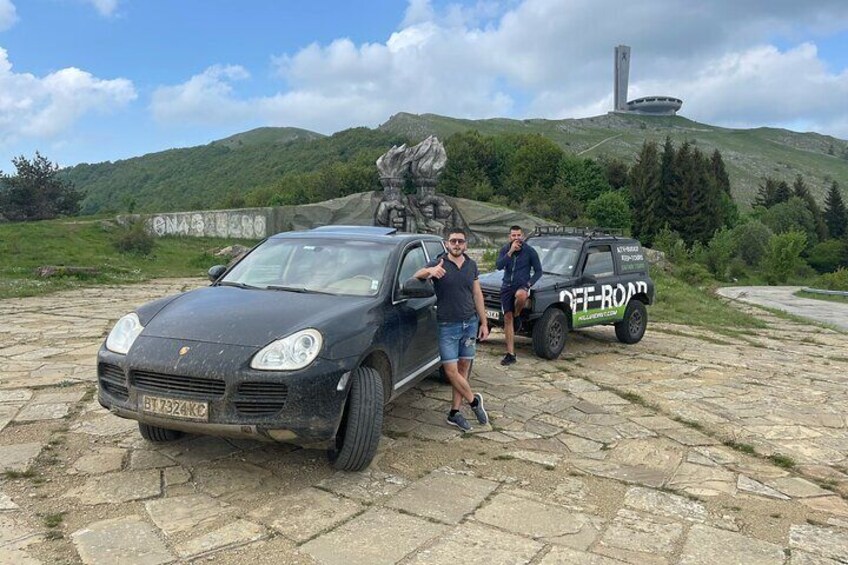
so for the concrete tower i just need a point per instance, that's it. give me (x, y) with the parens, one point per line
(622, 75)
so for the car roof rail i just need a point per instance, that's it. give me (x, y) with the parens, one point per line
(362, 230)
(590, 232)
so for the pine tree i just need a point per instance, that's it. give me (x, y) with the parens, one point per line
(772, 192)
(835, 215)
(800, 190)
(782, 193)
(720, 172)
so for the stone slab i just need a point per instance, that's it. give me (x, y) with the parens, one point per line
(18, 396)
(18, 457)
(443, 497)
(183, 513)
(114, 488)
(747, 484)
(543, 459)
(128, 541)
(796, 487)
(105, 426)
(665, 504)
(476, 544)
(240, 532)
(6, 503)
(104, 460)
(529, 517)
(640, 537)
(567, 556)
(143, 459)
(38, 412)
(825, 542)
(708, 546)
(379, 536)
(306, 513)
(368, 487)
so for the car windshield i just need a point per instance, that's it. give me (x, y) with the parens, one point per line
(557, 256)
(313, 265)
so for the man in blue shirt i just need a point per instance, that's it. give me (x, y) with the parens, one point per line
(462, 321)
(516, 259)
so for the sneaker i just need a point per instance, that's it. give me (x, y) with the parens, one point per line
(509, 359)
(479, 411)
(459, 421)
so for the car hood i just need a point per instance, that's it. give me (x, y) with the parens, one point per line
(237, 316)
(495, 278)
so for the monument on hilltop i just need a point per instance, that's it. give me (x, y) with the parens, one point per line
(655, 105)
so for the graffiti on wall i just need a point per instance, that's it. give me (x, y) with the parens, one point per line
(210, 224)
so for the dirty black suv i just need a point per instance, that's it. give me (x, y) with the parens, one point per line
(592, 276)
(302, 341)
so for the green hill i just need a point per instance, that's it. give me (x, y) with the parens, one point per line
(749, 154)
(202, 177)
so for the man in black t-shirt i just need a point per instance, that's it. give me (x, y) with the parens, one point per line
(462, 320)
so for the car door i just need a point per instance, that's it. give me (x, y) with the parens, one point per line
(593, 301)
(417, 318)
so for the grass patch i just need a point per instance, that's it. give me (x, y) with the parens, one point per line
(680, 303)
(782, 460)
(742, 447)
(26, 246)
(689, 423)
(504, 457)
(53, 520)
(28, 474)
(825, 297)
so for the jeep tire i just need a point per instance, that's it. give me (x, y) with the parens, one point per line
(156, 434)
(632, 327)
(549, 334)
(362, 422)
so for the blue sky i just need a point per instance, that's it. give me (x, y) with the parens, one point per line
(96, 80)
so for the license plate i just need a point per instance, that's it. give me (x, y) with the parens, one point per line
(187, 409)
(493, 314)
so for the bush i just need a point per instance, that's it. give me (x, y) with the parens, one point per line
(752, 241)
(719, 251)
(783, 256)
(693, 273)
(135, 239)
(827, 255)
(669, 242)
(837, 280)
(737, 270)
(610, 210)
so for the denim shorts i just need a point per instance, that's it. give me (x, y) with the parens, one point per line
(458, 340)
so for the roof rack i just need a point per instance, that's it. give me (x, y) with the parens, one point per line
(583, 232)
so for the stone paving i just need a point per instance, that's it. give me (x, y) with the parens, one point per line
(689, 447)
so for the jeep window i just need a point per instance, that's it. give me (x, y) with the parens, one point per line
(557, 257)
(413, 259)
(314, 265)
(434, 248)
(599, 262)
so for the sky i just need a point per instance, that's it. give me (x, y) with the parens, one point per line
(102, 80)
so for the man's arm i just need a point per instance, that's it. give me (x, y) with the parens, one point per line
(483, 332)
(536, 264)
(503, 258)
(437, 271)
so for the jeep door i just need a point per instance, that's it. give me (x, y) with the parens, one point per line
(416, 317)
(594, 300)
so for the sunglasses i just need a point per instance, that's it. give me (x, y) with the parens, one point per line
(456, 241)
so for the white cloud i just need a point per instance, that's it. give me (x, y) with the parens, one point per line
(43, 108)
(549, 59)
(8, 14)
(104, 7)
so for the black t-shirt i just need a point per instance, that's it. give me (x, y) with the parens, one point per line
(454, 291)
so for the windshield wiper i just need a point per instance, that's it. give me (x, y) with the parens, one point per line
(552, 273)
(235, 284)
(296, 289)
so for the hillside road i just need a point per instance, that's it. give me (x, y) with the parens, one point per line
(783, 298)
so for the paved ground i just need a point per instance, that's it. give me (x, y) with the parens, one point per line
(610, 454)
(783, 298)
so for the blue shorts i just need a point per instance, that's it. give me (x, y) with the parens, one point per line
(508, 297)
(458, 340)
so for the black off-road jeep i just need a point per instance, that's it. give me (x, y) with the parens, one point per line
(592, 276)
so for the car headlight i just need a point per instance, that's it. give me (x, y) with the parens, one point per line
(289, 353)
(124, 333)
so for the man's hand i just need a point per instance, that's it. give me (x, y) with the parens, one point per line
(438, 271)
(515, 247)
(483, 332)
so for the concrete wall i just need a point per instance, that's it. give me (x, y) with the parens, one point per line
(248, 223)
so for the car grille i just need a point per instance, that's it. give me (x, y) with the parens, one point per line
(260, 398)
(492, 298)
(113, 381)
(178, 384)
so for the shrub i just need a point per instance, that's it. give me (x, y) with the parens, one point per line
(827, 255)
(693, 273)
(737, 269)
(837, 280)
(669, 242)
(719, 251)
(135, 239)
(751, 241)
(610, 210)
(783, 255)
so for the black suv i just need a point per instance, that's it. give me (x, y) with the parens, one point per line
(303, 340)
(592, 276)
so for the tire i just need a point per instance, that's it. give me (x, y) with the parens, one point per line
(362, 422)
(549, 334)
(632, 327)
(157, 434)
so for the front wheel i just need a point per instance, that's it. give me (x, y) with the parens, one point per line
(549, 334)
(362, 422)
(632, 327)
(156, 434)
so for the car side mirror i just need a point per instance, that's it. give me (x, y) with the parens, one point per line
(216, 272)
(587, 279)
(416, 288)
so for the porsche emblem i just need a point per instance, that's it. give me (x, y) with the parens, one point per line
(184, 349)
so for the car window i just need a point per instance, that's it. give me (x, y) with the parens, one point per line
(434, 248)
(556, 256)
(413, 259)
(599, 262)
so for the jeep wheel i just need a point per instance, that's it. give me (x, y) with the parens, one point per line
(632, 327)
(157, 434)
(549, 334)
(362, 422)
